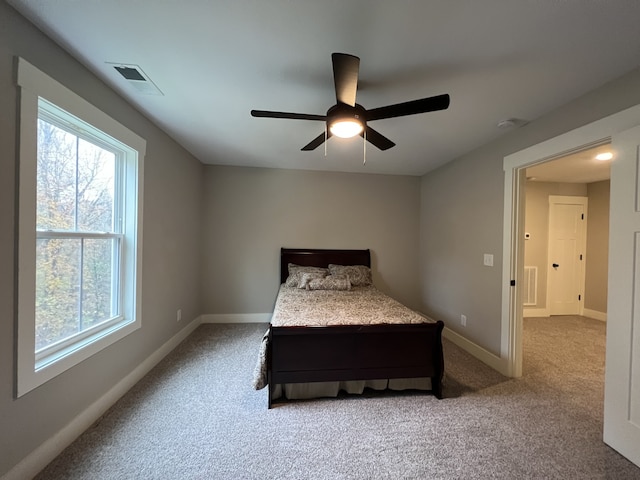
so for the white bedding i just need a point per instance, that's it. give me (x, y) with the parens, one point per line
(296, 307)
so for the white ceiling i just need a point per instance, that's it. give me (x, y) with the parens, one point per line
(577, 167)
(216, 60)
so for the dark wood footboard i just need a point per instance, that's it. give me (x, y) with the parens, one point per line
(337, 353)
(350, 352)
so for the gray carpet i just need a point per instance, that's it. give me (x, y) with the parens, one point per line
(195, 416)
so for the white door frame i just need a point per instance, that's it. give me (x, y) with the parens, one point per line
(514, 165)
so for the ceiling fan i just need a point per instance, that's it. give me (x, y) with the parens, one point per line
(346, 118)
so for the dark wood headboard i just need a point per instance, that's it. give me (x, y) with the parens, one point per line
(313, 257)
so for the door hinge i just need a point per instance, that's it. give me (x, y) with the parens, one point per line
(580, 256)
(512, 283)
(579, 297)
(582, 217)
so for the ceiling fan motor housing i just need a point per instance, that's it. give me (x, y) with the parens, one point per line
(342, 111)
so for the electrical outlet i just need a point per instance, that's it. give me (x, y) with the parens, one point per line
(463, 320)
(179, 315)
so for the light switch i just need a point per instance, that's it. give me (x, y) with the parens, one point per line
(488, 260)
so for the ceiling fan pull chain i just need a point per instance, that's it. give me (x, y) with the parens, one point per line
(325, 140)
(364, 148)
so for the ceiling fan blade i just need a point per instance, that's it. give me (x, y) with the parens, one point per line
(292, 116)
(430, 104)
(345, 77)
(377, 139)
(316, 142)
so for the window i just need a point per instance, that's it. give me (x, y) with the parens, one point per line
(80, 229)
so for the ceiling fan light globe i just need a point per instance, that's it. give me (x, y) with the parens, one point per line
(346, 128)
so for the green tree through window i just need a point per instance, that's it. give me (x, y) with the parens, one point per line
(78, 234)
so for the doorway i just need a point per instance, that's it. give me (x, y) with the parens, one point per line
(566, 235)
(557, 216)
(621, 420)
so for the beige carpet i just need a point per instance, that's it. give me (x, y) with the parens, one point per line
(195, 416)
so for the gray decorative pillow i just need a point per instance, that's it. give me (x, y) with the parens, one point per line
(332, 282)
(296, 271)
(359, 275)
(307, 277)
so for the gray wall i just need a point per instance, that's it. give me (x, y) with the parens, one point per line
(597, 271)
(462, 215)
(171, 249)
(251, 212)
(537, 225)
(461, 220)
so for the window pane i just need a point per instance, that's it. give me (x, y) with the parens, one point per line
(57, 289)
(76, 285)
(56, 178)
(96, 173)
(98, 278)
(76, 182)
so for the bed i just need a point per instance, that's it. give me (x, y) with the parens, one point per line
(317, 337)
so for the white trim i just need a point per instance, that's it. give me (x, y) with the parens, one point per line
(535, 312)
(34, 85)
(598, 131)
(476, 350)
(39, 83)
(236, 318)
(596, 315)
(511, 331)
(39, 458)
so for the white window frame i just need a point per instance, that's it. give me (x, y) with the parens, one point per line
(31, 370)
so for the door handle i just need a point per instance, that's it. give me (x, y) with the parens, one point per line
(555, 265)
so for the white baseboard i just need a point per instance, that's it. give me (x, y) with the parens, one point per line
(602, 316)
(476, 350)
(236, 318)
(33, 463)
(535, 312)
(544, 312)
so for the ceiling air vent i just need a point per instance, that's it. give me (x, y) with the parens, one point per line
(137, 78)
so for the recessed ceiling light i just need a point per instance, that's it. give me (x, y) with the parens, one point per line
(604, 156)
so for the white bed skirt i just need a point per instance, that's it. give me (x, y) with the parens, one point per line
(301, 391)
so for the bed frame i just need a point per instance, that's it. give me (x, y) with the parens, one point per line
(340, 353)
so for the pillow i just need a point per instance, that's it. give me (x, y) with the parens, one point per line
(307, 277)
(332, 282)
(359, 275)
(296, 271)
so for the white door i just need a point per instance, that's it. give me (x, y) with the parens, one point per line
(622, 379)
(565, 274)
